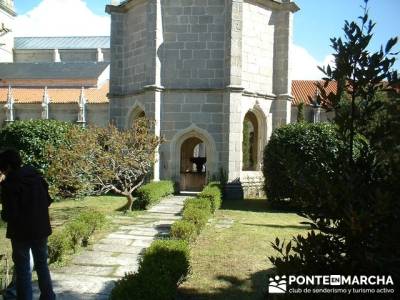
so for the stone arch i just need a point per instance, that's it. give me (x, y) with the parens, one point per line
(180, 137)
(136, 111)
(256, 117)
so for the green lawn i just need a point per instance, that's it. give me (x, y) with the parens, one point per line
(231, 263)
(62, 211)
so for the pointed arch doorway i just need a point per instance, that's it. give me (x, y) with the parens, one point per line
(193, 164)
(192, 142)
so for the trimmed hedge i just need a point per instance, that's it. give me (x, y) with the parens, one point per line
(58, 246)
(151, 193)
(183, 230)
(212, 191)
(75, 233)
(295, 158)
(197, 216)
(201, 203)
(164, 264)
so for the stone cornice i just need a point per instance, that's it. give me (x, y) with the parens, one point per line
(123, 7)
(230, 88)
(8, 10)
(163, 89)
(274, 4)
(248, 93)
(234, 88)
(285, 97)
(277, 5)
(153, 87)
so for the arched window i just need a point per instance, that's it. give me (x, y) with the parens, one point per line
(135, 114)
(250, 159)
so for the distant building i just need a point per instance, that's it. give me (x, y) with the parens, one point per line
(7, 16)
(63, 91)
(307, 93)
(62, 49)
(64, 78)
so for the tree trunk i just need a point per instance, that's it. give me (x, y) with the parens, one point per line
(128, 205)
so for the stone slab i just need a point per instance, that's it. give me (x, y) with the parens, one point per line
(143, 243)
(121, 236)
(104, 258)
(113, 241)
(82, 284)
(122, 270)
(87, 270)
(114, 248)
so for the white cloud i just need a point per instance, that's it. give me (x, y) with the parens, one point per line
(61, 18)
(305, 66)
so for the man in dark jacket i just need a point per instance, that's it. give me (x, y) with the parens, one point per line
(25, 201)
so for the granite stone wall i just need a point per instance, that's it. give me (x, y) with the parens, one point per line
(258, 48)
(192, 53)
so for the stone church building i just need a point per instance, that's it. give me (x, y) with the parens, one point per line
(201, 69)
(213, 74)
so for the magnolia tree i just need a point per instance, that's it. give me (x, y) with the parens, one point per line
(107, 159)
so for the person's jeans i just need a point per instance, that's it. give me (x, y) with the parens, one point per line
(11, 291)
(21, 259)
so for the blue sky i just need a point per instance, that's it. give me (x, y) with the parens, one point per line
(23, 6)
(319, 20)
(315, 23)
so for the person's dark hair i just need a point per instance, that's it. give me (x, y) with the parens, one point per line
(10, 158)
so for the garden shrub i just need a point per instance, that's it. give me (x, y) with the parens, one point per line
(58, 245)
(151, 193)
(212, 191)
(296, 156)
(164, 264)
(75, 233)
(183, 230)
(32, 137)
(72, 181)
(78, 231)
(201, 203)
(93, 219)
(83, 226)
(196, 216)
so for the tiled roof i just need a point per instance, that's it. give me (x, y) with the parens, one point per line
(57, 95)
(65, 42)
(304, 91)
(60, 70)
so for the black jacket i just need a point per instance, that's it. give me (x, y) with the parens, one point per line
(25, 200)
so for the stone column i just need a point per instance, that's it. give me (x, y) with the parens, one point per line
(282, 79)
(56, 56)
(9, 106)
(82, 108)
(100, 55)
(317, 113)
(154, 90)
(231, 156)
(45, 104)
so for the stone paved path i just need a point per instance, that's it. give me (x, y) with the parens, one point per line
(92, 273)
